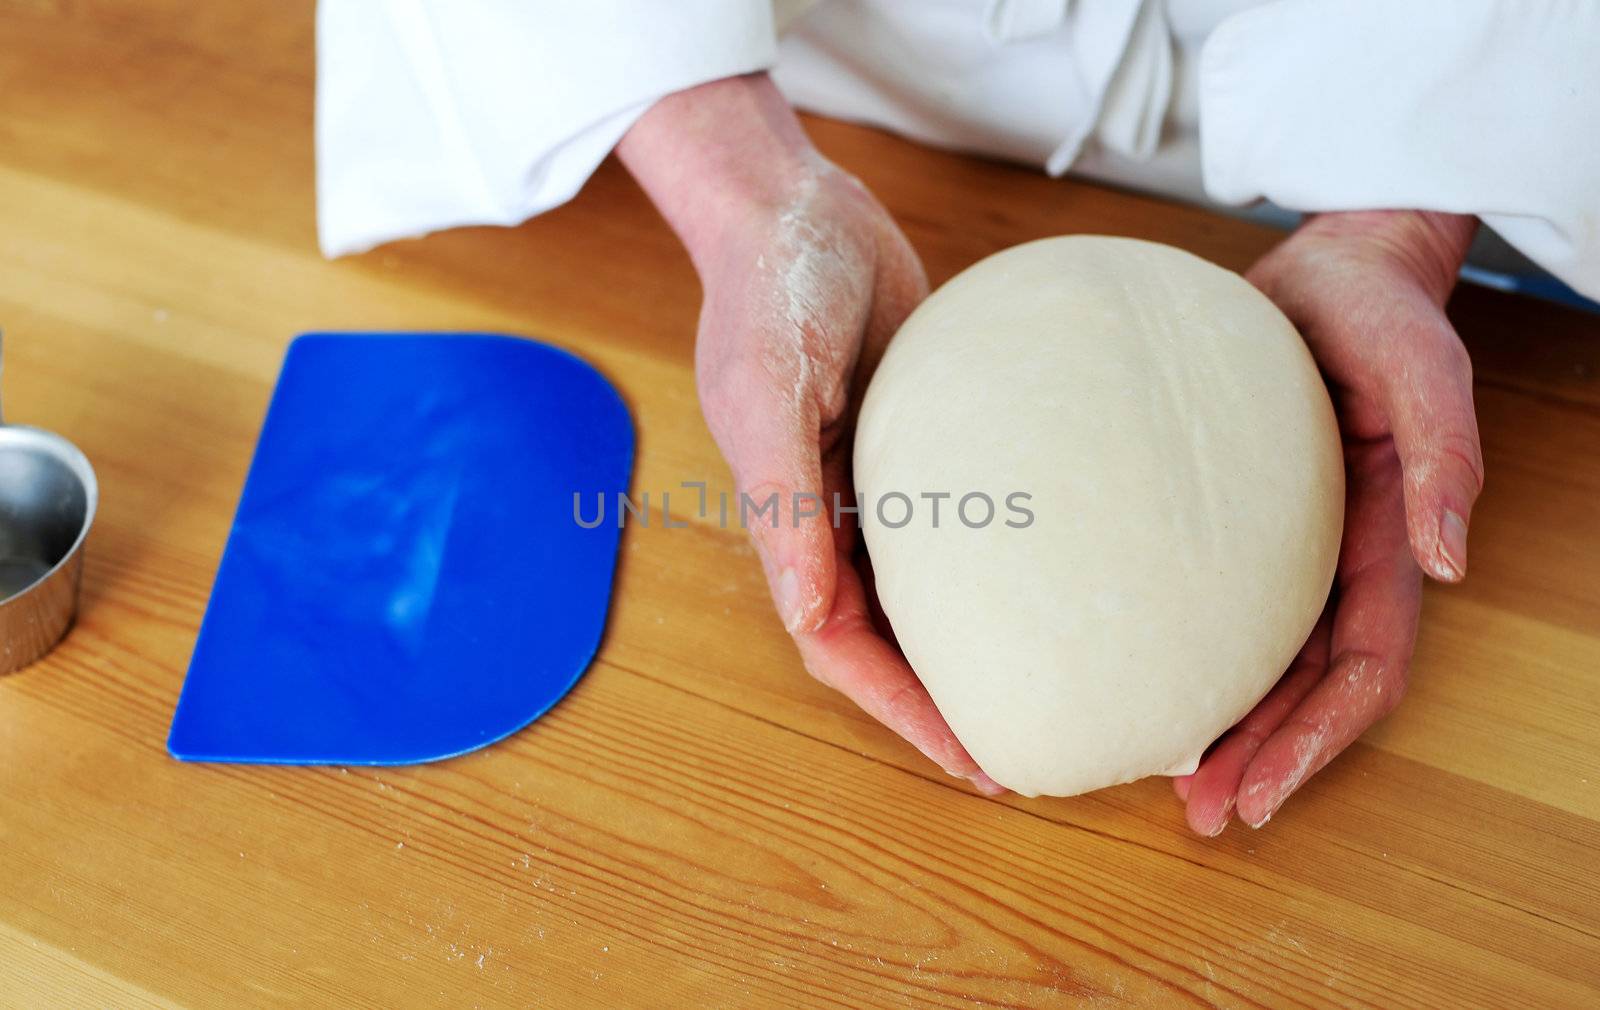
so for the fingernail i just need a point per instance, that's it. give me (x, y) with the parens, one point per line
(1453, 544)
(789, 607)
(986, 785)
(1222, 819)
(1265, 817)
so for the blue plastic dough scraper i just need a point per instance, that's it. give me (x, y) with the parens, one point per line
(406, 578)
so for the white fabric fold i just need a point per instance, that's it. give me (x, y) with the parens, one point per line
(1018, 80)
(432, 114)
(1006, 21)
(1135, 106)
(1484, 107)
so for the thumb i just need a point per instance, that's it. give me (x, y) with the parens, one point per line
(1427, 396)
(765, 420)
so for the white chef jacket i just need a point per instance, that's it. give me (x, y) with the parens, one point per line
(437, 113)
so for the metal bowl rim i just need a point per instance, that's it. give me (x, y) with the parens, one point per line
(74, 459)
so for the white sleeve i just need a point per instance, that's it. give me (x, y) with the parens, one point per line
(436, 113)
(1486, 107)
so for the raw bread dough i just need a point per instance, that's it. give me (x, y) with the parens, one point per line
(1187, 493)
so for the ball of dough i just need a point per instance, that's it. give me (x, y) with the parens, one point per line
(1184, 500)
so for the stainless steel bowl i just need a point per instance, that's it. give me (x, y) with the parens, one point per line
(48, 495)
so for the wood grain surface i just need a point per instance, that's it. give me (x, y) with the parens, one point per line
(698, 824)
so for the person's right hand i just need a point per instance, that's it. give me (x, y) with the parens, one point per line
(1367, 291)
(805, 277)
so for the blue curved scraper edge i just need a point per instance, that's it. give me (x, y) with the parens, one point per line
(405, 579)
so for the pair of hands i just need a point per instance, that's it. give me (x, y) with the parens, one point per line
(805, 280)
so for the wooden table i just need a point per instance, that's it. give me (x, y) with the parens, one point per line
(698, 824)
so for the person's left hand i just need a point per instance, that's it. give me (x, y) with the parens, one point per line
(1367, 291)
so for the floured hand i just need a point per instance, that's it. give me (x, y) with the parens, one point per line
(1367, 291)
(805, 278)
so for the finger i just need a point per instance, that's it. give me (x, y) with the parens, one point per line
(849, 656)
(1402, 350)
(765, 420)
(875, 612)
(1410, 360)
(1180, 785)
(901, 286)
(1427, 395)
(1213, 789)
(850, 551)
(1374, 630)
(854, 652)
